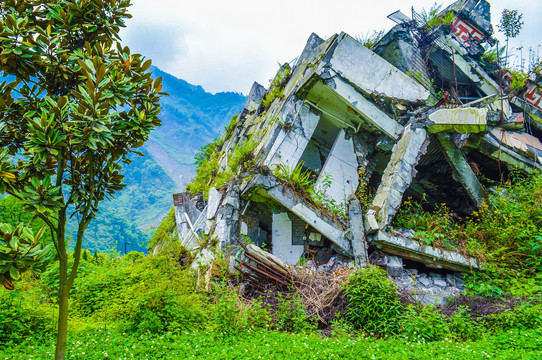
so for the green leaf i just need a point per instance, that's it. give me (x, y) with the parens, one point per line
(14, 273)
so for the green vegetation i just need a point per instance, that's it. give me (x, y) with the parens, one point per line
(302, 182)
(79, 104)
(373, 304)
(164, 231)
(371, 38)
(276, 88)
(208, 172)
(104, 343)
(505, 232)
(139, 306)
(155, 306)
(510, 25)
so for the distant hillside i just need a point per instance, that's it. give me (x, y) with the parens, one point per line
(190, 118)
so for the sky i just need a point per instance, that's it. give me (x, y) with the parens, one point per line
(227, 45)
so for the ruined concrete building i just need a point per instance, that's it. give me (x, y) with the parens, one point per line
(419, 114)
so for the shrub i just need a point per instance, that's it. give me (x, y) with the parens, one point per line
(230, 314)
(373, 302)
(290, 314)
(162, 233)
(160, 308)
(425, 324)
(462, 325)
(23, 316)
(524, 316)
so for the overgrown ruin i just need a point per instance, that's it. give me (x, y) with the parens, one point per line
(421, 114)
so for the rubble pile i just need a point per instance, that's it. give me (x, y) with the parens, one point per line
(265, 275)
(422, 114)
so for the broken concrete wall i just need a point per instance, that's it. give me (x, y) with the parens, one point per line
(297, 127)
(339, 176)
(283, 246)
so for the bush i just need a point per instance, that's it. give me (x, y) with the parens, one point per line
(373, 301)
(23, 316)
(524, 316)
(158, 310)
(230, 314)
(290, 314)
(425, 324)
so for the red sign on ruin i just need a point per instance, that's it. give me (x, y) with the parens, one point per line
(534, 95)
(465, 31)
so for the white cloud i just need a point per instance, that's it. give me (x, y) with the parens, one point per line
(226, 45)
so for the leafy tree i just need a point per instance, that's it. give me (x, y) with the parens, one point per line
(78, 106)
(510, 25)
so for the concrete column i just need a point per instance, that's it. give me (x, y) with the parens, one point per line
(462, 170)
(357, 232)
(227, 218)
(397, 177)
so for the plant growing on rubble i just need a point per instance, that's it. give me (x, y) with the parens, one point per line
(79, 104)
(276, 88)
(435, 20)
(242, 154)
(519, 81)
(370, 38)
(510, 25)
(228, 129)
(492, 56)
(299, 180)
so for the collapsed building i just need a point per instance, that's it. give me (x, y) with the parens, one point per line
(420, 114)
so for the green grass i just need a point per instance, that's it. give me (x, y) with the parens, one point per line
(110, 344)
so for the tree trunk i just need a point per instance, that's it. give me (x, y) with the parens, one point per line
(63, 292)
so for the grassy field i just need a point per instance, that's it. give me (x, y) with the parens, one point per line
(261, 344)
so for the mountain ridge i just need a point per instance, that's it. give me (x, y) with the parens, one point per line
(191, 117)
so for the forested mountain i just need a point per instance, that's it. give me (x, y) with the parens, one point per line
(190, 118)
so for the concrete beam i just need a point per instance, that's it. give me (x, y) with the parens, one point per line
(469, 68)
(414, 250)
(331, 229)
(462, 170)
(369, 112)
(491, 146)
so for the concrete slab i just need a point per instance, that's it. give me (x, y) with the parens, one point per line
(371, 73)
(459, 120)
